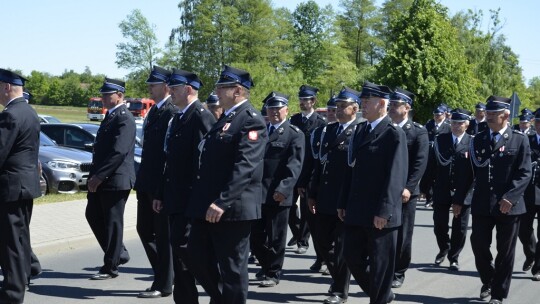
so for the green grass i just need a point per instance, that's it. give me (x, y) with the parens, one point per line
(56, 198)
(65, 114)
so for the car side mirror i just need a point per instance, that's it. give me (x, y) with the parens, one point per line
(89, 146)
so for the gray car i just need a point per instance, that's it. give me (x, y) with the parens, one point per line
(65, 170)
(81, 136)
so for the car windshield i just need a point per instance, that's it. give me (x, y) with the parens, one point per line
(44, 140)
(52, 119)
(135, 106)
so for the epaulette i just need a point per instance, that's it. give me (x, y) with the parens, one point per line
(420, 126)
(321, 118)
(251, 112)
(518, 132)
(295, 128)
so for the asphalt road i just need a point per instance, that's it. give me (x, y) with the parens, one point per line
(65, 277)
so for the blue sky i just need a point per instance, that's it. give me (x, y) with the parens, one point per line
(55, 35)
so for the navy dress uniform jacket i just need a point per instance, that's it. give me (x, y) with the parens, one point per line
(476, 127)
(446, 174)
(313, 122)
(182, 157)
(113, 151)
(503, 172)
(231, 167)
(153, 156)
(432, 131)
(532, 193)
(379, 160)
(19, 147)
(329, 184)
(282, 163)
(418, 148)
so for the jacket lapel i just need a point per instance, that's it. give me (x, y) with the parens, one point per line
(503, 139)
(374, 132)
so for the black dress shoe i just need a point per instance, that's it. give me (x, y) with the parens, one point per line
(391, 298)
(292, 242)
(454, 266)
(316, 266)
(485, 292)
(536, 276)
(260, 275)
(252, 259)
(439, 258)
(103, 276)
(124, 261)
(396, 284)
(495, 301)
(269, 282)
(326, 271)
(301, 250)
(528, 264)
(334, 300)
(150, 294)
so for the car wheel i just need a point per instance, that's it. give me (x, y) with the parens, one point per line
(43, 185)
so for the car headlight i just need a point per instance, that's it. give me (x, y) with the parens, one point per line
(63, 165)
(137, 159)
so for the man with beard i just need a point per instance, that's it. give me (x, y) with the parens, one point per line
(153, 228)
(307, 121)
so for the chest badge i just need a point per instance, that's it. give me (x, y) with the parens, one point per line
(226, 126)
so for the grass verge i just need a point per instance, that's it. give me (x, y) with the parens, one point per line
(56, 198)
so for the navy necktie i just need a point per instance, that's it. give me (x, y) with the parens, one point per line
(272, 129)
(494, 140)
(304, 119)
(339, 130)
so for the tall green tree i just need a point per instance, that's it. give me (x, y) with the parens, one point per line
(360, 23)
(310, 28)
(141, 50)
(493, 61)
(427, 59)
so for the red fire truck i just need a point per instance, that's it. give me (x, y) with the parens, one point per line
(139, 107)
(95, 109)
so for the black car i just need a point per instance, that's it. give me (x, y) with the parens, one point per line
(80, 136)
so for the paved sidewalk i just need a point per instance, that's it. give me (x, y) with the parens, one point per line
(58, 227)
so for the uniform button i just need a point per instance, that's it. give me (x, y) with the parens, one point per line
(326, 172)
(490, 188)
(204, 149)
(167, 180)
(326, 183)
(198, 177)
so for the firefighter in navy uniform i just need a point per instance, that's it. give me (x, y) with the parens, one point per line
(437, 125)
(531, 246)
(329, 184)
(401, 102)
(372, 213)
(153, 228)
(228, 187)
(282, 165)
(212, 104)
(184, 132)
(307, 121)
(19, 184)
(502, 170)
(111, 178)
(478, 123)
(525, 124)
(451, 152)
(519, 126)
